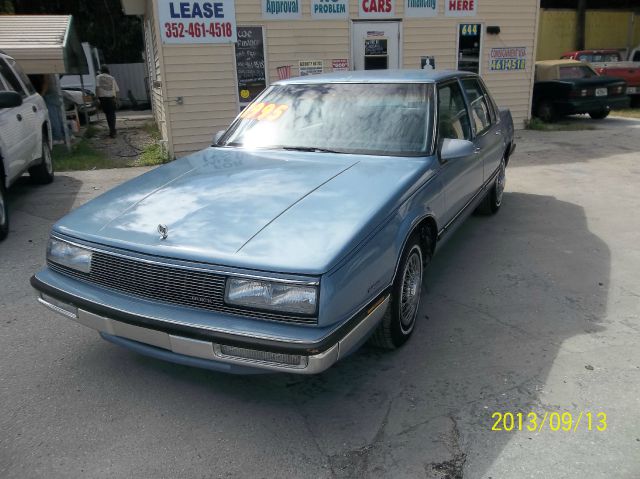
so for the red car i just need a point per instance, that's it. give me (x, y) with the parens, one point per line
(610, 63)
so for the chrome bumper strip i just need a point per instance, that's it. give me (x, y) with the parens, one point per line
(310, 364)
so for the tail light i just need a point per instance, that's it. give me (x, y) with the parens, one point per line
(580, 92)
(617, 90)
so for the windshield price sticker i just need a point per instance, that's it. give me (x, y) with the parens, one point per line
(264, 111)
(197, 22)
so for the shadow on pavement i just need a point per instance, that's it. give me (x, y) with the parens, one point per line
(502, 296)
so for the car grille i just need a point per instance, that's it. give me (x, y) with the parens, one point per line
(169, 284)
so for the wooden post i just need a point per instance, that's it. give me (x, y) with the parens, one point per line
(580, 30)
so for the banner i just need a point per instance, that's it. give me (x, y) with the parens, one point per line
(329, 9)
(250, 63)
(281, 9)
(420, 8)
(197, 22)
(460, 8)
(508, 59)
(310, 67)
(377, 8)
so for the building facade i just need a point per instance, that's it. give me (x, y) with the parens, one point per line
(207, 59)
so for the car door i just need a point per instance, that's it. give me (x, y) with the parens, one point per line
(462, 177)
(484, 125)
(19, 136)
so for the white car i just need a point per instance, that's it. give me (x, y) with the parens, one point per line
(25, 134)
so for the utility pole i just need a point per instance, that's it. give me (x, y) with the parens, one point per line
(580, 31)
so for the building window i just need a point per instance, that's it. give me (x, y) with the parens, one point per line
(469, 45)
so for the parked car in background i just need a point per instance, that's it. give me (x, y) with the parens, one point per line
(81, 89)
(302, 232)
(25, 134)
(569, 87)
(610, 63)
(634, 55)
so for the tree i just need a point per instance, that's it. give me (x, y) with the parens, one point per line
(101, 23)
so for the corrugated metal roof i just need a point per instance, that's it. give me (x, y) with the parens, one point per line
(41, 43)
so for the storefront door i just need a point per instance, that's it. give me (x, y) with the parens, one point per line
(376, 45)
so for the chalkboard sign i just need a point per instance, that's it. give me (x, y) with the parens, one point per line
(250, 63)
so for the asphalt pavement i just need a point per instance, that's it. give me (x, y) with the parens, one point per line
(534, 310)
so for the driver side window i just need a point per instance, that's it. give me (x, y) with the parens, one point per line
(453, 118)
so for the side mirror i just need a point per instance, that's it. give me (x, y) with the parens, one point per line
(10, 99)
(217, 137)
(452, 149)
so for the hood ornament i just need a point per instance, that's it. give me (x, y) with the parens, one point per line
(164, 231)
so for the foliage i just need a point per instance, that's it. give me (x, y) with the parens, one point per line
(630, 113)
(101, 23)
(81, 157)
(152, 155)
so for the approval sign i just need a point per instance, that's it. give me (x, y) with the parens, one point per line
(197, 22)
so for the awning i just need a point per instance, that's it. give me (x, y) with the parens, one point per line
(42, 43)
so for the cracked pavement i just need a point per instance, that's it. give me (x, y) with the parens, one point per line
(534, 309)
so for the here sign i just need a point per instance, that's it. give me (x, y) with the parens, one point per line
(197, 21)
(460, 8)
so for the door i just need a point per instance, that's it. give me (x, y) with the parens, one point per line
(375, 45)
(462, 177)
(484, 125)
(17, 128)
(469, 47)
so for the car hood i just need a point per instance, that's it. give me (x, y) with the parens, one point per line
(277, 211)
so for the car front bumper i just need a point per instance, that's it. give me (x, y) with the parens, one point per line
(198, 345)
(586, 105)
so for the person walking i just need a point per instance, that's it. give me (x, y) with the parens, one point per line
(107, 91)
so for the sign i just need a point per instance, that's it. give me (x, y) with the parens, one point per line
(460, 8)
(329, 9)
(420, 8)
(377, 8)
(250, 63)
(508, 59)
(428, 63)
(197, 22)
(310, 67)
(281, 9)
(340, 65)
(470, 29)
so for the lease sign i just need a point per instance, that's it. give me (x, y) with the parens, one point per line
(460, 8)
(197, 22)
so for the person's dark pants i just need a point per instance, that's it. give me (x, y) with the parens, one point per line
(108, 106)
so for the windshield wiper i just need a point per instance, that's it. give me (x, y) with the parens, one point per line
(307, 148)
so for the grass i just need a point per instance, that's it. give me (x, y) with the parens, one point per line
(629, 113)
(153, 154)
(152, 129)
(81, 157)
(538, 124)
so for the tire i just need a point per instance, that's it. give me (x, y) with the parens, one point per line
(599, 115)
(396, 328)
(4, 209)
(42, 174)
(493, 199)
(546, 112)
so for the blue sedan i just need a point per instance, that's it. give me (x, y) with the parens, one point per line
(303, 232)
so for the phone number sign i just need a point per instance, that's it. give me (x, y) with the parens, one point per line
(197, 22)
(508, 59)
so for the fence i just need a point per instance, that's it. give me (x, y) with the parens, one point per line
(131, 77)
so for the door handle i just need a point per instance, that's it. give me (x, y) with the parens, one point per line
(34, 108)
(499, 132)
(19, 117)
(477, 150)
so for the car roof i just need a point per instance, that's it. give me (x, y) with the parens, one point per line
(549, 69)
(377, 76)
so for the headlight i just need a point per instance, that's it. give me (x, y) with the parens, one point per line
(69, 255)
(285, 297)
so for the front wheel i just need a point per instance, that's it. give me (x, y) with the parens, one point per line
(4, 210)
(43, 173)
(400, 318)
(599, 115)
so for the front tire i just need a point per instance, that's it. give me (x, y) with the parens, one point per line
(599, 115)
(4, 209)
(399, 320)
(43, 173)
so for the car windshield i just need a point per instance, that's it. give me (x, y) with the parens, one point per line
(365, 118)
(577, 72)
(599, 57)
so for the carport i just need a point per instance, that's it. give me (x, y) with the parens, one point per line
(43, 44)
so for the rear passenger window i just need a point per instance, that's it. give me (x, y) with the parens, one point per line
(25, 79)
(12, 80)
(481, 113)
(453, 118)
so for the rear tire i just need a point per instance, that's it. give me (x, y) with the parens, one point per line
(399, 320)
(4, 209)
(493, 199)
(599, 115)
(43, 173)
(546, 112)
